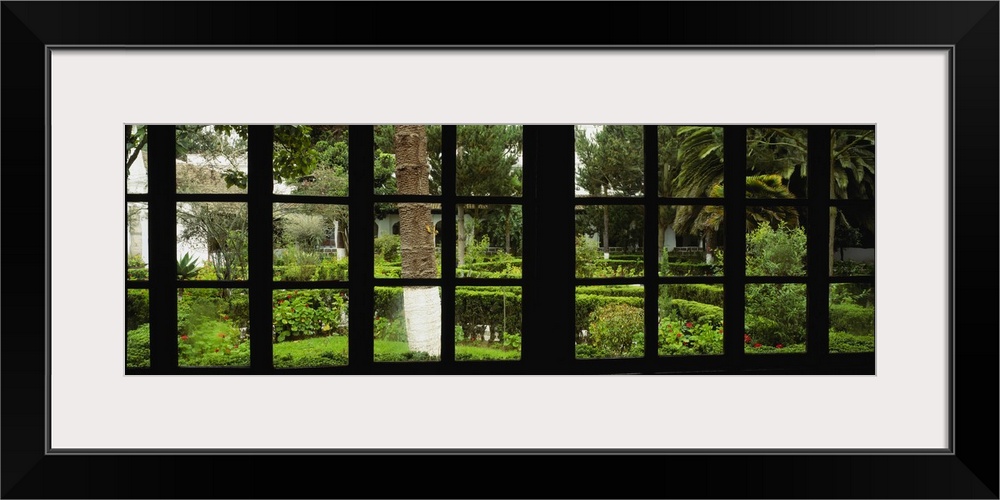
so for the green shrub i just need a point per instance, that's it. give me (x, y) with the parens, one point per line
(677, 337)
(476, 353)
(387, 246)
(383, 270)
(843, 342)
(688, 310)
(137, 274)
(587, 351)
(301, 313)
(136, 308)
(862, 294)
(853, 268)
(776, 252)
(137, 347)
(388, 302)
(586, 305)
(331, 270)
(587, 256)
(213, 343)
(776, 313)
(706, 294)
(852, 319)
(767, 349)
(612, 290)
(307, 231)
(690, 269)
(390, 329)
(499, 308)
(613, 329)
(299, 265)
(404, 356)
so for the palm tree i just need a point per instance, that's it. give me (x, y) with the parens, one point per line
(852, 175)
(421, 305)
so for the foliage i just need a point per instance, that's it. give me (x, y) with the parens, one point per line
(706, 294)
(213, 343)
(478, 353)
(387, 247)
(587, 305)
(690, 310)
(844, 342)
(137, 347)
(852, 319)
(187, 267)
(304, 230)
(390, 329)
(496, 307)
(612, 290)
(296, 265)
(611, 160)
(135, 268)
(852, 293)
(331, 269)
(587, 256)
(776, 313)
(613, 328)
(853, 268)
(222, 226)
(136, 308)
(311, 352)
(677, 337)
(776, 252)
(300, 313)
(758, 348)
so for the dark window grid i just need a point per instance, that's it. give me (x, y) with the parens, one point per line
(136, 284)
(673, 200)
(136, 198)
(311, 199)
(216, 197)
(490, 200)
(685, 365)
(856, 204)
(610, 200)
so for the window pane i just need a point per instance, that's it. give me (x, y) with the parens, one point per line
(422, 160)
(487, 323)
(852, 317)
(775, 318)
(776, 241)
(489, 242)
(488, 160)
(776, 162)
(310, 160)
(212, 327)
(212, 241)
(852, 159)
(691, 240)
(310, 242)
(137, 328)
(137, 241)
(609, 160)
(609, 321)
(211, 159)
(690, 319)
(310, 328)
(853, 252)
(690, 161)
(407, 240)
(136, 156)
(609, 241)
(407, 323)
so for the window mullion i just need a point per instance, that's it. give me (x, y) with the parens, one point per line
(735, 266)
(449, 142)
(162, 249)
(361, 266)
(260, 157)
(651, 268)
(817, 246)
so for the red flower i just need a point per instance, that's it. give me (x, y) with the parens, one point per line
(184, 337)
(216, 350)
(688, 324)
(679, 335)
(757, 345)
(779, 346)
(288, 296)
(746, 339)
(225, 317)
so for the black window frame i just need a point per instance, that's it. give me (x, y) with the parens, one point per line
(548, 273)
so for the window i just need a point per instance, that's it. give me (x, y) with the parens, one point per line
(589, 249)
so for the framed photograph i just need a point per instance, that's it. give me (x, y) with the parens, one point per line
(921, 77)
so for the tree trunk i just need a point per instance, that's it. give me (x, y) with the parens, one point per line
(421, 305)
(461, 234)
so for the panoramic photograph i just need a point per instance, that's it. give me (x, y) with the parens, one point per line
(447, 249)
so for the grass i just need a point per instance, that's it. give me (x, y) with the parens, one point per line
(332, 351)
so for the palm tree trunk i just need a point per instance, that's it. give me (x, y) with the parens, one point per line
(421, 305)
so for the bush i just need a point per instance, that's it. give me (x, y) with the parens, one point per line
(137, 274)
(387, 246)
(696, 312)
(676, 337)
(136, 308)
(390, 329)
(497, 307)
(852, 319)
(137, 347)
(586, 305)
(776, 313)
(776, 252)
(299, 265)
(403, 356)
(613, 329)
(706, 294)
(612, 291)
(301, 313)
(689, 269)
(388, 302)
(853, 268)
(587, 256)
(323, 351)
(843, 342)
(331, 270)
(768, 349)
(213, 343)
(304, 230)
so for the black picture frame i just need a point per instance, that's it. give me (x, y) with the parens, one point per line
(967, 470)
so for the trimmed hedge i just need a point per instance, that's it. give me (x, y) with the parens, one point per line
(689, 269)
(843, 342)
(612, 291)
(697, 312)
(137, 347)
(852, 319)
(587, 304)
(706, 294)
(136, 308)
(494, 307)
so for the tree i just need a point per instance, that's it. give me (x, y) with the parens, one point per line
(421, 305)
(611, 164)
(485, 165)
(852, 176)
